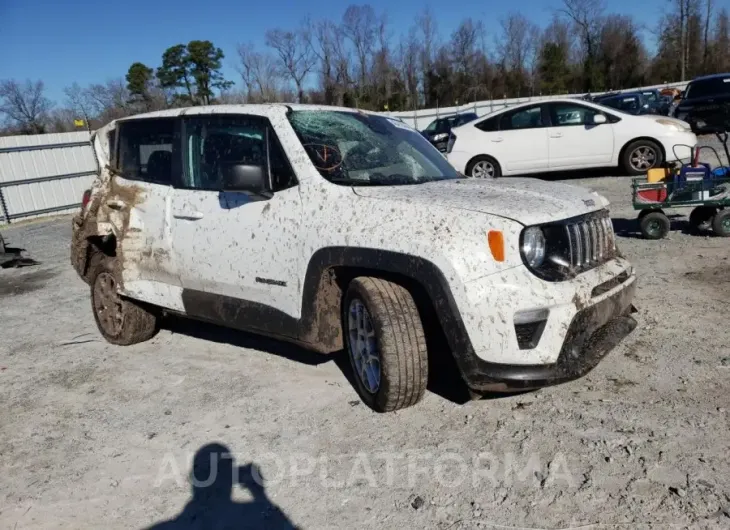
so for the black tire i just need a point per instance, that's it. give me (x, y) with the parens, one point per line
(476, 162)
(700, 218)
(398, 337)
(120, 321)
(640, 156)
(721, 223)
(654, 225)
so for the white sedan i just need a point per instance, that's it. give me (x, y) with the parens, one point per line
(563, 134)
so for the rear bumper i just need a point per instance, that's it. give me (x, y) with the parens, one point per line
(592, 334)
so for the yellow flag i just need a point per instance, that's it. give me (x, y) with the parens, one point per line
(385, 107)
(78, 123)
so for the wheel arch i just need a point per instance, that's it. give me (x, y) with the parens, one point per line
(330, 271)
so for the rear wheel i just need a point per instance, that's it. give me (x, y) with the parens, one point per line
(483, 167)
(641, 156)
(701, 217)
(721, 223)
(120, 321)
(654, 225)
(386, 344)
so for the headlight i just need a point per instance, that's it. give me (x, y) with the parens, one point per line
(671, 125)
(533, 246)
(439, 137)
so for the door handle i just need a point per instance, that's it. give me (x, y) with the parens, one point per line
(498, 139)
(556, 135)
(192, 216)
(115, 204)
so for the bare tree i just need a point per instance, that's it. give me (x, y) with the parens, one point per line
(79, 102)
(25, 105)
(517, 49)
(295, 55)
(360, 26)
(586, 16)
(706, 47)
(259, 74)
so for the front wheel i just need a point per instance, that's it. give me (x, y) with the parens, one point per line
(386, 344)
(641, 156)
(721, 223)
(654, 225)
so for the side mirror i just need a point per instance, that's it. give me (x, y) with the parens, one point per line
(598, 119)
(244, 177)
(681, 94)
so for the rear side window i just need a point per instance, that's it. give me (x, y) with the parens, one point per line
(489, 125)
(146, 150)
(529, 118)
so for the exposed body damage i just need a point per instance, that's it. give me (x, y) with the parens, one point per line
(293, 259)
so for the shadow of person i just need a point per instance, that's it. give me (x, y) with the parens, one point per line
(211, 507)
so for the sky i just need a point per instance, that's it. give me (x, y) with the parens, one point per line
(84, 41)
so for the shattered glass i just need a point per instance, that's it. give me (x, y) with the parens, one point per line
(354, 148)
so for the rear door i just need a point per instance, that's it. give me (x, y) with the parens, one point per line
(521, 144)
(574, 141)
(138, 205)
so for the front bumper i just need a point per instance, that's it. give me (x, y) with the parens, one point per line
(592, 334)
(679, 146)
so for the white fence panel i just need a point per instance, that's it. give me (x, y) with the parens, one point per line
(44, 174)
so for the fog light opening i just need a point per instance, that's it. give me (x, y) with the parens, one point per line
(529, 326)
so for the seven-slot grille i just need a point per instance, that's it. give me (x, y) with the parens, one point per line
(591, 240)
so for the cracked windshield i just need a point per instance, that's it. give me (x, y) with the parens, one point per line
(357, 149)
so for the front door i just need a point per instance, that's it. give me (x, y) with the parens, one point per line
(574, 140)
(238, 253)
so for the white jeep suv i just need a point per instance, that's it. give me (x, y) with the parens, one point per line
(335, 228)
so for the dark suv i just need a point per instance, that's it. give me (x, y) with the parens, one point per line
(706, 103)
(438, 130)
(629, 102)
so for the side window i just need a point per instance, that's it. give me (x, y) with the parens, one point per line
(489, 125)
(112, 139)
(146, 150)
(213, 142)
(529, 118)
(566, 114)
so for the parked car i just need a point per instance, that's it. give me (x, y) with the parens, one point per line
(340, 229)
(438, 130)
(660, 104)
(563, 134)
(629, 102)
(706, 103)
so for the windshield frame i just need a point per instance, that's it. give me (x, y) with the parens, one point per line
(378, 151)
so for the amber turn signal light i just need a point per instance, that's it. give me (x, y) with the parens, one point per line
(496, 244)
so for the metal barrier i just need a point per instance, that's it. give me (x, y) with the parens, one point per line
(44, 174)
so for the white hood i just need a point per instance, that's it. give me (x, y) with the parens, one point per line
(525, 200)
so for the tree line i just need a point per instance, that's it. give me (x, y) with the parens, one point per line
(359, 61)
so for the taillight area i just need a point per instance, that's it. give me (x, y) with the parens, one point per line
(85, 199)
(450, 144)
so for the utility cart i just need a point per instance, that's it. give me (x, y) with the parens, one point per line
(692, 185)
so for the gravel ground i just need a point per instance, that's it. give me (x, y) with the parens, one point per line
(99, 436)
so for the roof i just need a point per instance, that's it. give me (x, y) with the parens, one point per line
(259, 110)
(711, 76)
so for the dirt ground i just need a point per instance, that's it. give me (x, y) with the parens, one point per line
(98, 436)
